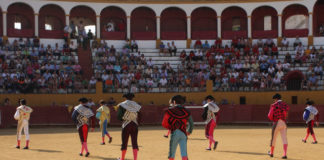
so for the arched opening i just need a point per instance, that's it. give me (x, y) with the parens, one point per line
(295, 21)
(83, 19)
(143, 24)
(173, 24)
(204, 23)
(113, 23)
(318, 18)
(294, 80)
(20, 20)
(264, 22)
(51, 21)
(234, 23)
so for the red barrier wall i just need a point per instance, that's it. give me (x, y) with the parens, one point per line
(153, 115)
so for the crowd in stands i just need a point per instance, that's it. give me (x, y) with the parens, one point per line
(29, 67)
(239, 66)
(243, 66)
(26, 66)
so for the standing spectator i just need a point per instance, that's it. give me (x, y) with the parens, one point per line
(173, 49)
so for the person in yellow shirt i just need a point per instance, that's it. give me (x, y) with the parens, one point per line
(103, 114)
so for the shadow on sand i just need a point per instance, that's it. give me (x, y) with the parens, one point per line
(127, 146)
(198, 139)
(46, 150)
(103, 158)
(251, 153)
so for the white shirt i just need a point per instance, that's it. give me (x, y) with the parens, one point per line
(280, 74)
(284, 42)
(276, 80)
(104, 77)
(163, 81)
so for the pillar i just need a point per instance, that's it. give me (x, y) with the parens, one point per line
(98, 27)
(67, 19)
(158, 31)
(310, 29)
(36, 25)
(279, 29)
(280, 25)
(128, 27)
(219, 26)
(249, 27)
(188, 32)
(4, 23)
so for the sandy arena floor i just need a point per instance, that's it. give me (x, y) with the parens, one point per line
(235, 143)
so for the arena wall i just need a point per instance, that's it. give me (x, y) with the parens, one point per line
(251, 98)
(153, 115)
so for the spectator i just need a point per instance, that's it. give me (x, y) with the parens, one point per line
(134, 46)
(206, 45)
(312, 82)
(318, 70)
(162, 49)
(297, 42)
(173, 49)
(198, 44)
(284, 43)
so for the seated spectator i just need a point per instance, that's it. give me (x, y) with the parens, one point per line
(263, 66)
(206, 45)
(284, 43)
(173, 49)
(92, 83)
(318, 70)
(312, 82)
(297, 42)
(125, 83)
(218, 42)
(300, 48)
(260, 42)
(269, 42)
(298, 59)
(149, 84)
(198, 44)
(162, 48)
(134, 46)
(280, 74)
(198, 55)
(163, 83)
(274, 51)
(288, 58)
(183, 55)
(73, 46)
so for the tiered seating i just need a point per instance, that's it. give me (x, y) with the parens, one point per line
(179, 75)
(30, 68)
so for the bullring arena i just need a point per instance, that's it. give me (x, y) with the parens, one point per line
(244, 53)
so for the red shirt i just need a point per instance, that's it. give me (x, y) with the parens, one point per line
(198, 42)
(274, 49)
(278, 110)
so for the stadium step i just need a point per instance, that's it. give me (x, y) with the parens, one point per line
(85, 61)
